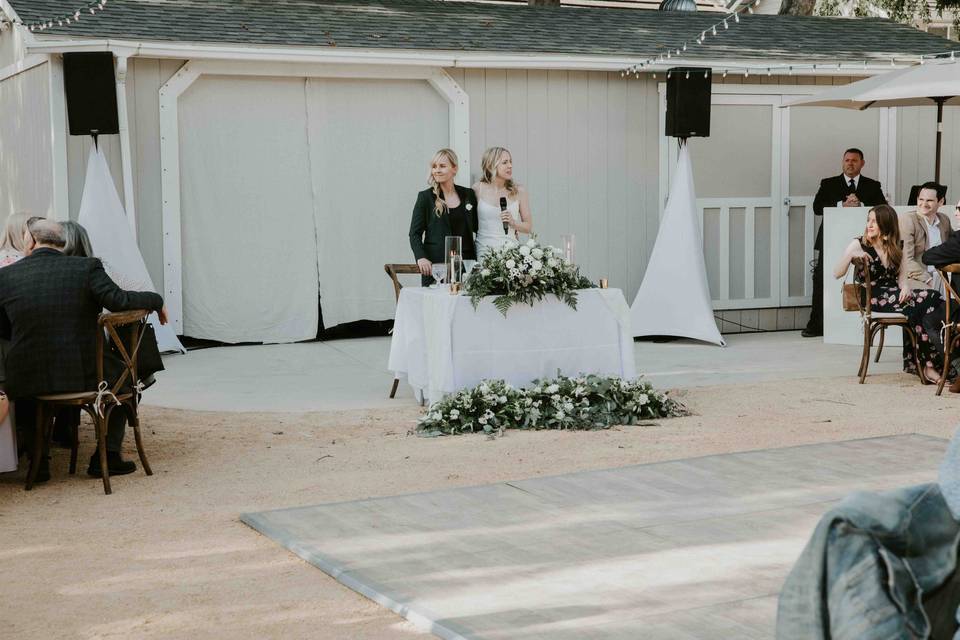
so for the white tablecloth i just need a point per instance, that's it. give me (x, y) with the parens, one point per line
(441, 344)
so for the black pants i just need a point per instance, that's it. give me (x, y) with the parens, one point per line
(26, 412)
(815, 324)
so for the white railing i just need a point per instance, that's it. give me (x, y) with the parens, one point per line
(777, 239)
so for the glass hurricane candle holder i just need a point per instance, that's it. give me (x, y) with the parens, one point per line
(568, 244)
(453, 256)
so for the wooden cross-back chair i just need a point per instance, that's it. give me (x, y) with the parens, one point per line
(951, 334)
(875, 322)
(123, 393)
(394, 270)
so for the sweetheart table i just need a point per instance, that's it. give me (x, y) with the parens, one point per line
(442, 344)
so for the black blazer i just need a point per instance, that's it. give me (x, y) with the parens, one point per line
(943, 254)
(428, 230)
(835, 189)
(49, 305)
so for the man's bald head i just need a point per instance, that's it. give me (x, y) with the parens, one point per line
(42, 232)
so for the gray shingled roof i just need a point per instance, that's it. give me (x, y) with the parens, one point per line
(456, 26)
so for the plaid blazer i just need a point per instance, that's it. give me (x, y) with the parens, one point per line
(49, 305)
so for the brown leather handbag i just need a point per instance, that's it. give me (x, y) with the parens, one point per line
(853, 293)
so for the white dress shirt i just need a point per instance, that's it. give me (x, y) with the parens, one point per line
(846, 181)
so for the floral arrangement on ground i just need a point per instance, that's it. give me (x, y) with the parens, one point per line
(586, 402)
(523, 274)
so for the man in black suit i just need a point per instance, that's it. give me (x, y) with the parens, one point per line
(49, 305)
(849, 189)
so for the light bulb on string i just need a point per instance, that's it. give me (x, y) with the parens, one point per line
(714, 29)
(725, 25)
(736, 17)
(684, 46)
(706, 74)
(724, 73)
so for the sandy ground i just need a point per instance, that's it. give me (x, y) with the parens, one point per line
(166, 556)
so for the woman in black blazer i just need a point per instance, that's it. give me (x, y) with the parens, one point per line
(444, 209)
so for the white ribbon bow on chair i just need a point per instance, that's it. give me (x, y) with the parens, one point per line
(103, 392)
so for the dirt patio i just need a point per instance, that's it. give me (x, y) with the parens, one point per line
(166, 556)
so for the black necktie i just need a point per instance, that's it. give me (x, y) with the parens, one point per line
(853, 187)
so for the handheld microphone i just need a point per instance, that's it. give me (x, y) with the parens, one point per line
(503, 207)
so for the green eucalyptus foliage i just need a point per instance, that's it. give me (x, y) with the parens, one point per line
(586, 402)
(524, 274)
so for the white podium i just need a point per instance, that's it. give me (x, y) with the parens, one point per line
(840, 226)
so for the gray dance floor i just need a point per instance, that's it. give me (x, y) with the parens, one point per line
(694, 548)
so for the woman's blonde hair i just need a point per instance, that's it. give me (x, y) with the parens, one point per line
(13, 232)
(488, 164)
(439, 206)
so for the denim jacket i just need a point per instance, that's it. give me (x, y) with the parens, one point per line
(870, 560)
(864, 571)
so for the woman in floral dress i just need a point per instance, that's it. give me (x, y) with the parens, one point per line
(880, 243)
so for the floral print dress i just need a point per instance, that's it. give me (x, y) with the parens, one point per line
(885, 292)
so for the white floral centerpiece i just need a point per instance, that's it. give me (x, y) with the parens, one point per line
(524, 273)
(584, 402)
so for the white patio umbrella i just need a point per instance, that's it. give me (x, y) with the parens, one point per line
(935, 82)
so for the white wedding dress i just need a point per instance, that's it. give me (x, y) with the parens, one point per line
(490, 233)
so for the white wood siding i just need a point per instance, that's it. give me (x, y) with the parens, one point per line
(585, 145)
(916, 133)
(26, 161)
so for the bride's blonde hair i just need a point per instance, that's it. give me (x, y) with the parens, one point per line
(488, 164)
(439, 206)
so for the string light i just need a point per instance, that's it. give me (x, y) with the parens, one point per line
(61, 20)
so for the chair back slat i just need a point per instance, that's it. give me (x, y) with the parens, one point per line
(393, 270)
(861, 278)
(945, 272)
(109, 324)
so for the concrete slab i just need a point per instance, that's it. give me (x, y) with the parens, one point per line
(352, 374)
(694, 548)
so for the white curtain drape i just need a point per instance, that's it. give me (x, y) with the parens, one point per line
(248, 235)
(370, 146)
(294, 187)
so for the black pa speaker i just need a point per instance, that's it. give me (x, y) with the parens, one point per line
(91, 90)
(688, 102)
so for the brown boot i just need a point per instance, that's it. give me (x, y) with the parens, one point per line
(955, 387)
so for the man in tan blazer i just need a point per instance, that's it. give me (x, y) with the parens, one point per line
(920, 230)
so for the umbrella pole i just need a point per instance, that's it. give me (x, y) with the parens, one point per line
(939, 101)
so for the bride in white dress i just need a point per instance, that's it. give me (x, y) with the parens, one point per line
(496, 183)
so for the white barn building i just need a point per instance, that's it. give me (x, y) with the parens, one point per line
(271, 150)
